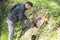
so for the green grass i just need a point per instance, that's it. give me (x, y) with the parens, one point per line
(4, 36)
(52, 6)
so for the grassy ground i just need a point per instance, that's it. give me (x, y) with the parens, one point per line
(51, 6)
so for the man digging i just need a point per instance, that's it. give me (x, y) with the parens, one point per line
(16, 14)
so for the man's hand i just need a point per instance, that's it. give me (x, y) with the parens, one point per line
(25, 21)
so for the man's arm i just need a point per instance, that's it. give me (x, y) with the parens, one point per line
(25, 17)
(22, 15)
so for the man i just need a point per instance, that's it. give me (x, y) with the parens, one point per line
(16, 14)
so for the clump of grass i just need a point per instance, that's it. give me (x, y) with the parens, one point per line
(4, 36)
